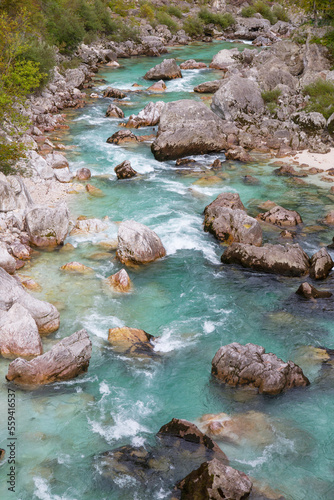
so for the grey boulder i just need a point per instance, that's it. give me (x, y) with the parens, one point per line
(321, 264)
(137, 244)
(166, 70)
(234, 225)
(7, 261)
(281, 217)
(46, 226)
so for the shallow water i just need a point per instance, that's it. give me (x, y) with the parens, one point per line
(190, 301)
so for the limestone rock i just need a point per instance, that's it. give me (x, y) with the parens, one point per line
(281, 217)
(321, 264)
(131, 341)
(46, 226)
(19, 333)
(236, 364)
(237, 96)
(63, 175)
(116, 93)
(208, 87)
(88, 226)
(214, 480)
(238, 153)
(308, 291)
(188, 127)
(7, 261)
(57, 160)
(114, 111)
(192, 64)
(124, 170)
(13, 194)
(120, 281)
(137, 244)
(66, 360)
(159, 86)
(122, 136)
(312, 122)
(76, 267)
(147, 117)
(287, 260)
(233, 225)
(83, 174)
(12, 292)
(224, 58)
(166, 70)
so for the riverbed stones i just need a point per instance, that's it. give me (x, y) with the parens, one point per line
(281, 217)
(19, 333)
(138, 244)
(237, 96)
(287, 260)
(114, 111)
(67, 359)
(122, 136)
(308, 291)
(321, 264)
(186, 128)
(237, 365)
(131, 341)
(229, 225)
(214, 480)
(120, 281)
(45, 314)
(83, 174)
(7, 261)
(166, 70)
(47, 226)
(147, 117)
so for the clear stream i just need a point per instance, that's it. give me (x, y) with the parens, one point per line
(192, 302)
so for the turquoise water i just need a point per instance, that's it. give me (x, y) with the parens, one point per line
(190, 301)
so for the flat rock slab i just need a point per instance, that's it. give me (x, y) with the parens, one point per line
(66, 360)
(237, 365)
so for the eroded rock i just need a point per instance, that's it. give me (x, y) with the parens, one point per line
(166, 70)
(321, 264)
(124, 170)
(233, 225)
(120, 281)
(308, 291)
(46, 226)
(147, 117)
(137, 244)
(131, 341)
(83, 174)
(281, 217)
(114, 111)
(122, 136)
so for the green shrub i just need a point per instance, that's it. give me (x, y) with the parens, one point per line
(248, 11)
(174, 11)
(222, 20)
(164, 18)
(321, 95)
(42, 54)
(280, 13)
(10, 154)
(265, 11)
(193, 26)
(146, 11)
(120, 7)
(270, 98)
(125, 31)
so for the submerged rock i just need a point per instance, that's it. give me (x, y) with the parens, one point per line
(186, 128)
(308, 291)
(137, 244)
(124, 170)
(76, 267)
(214, 480)
(46, 226)
(19, 333)
(120, 282)
(281, 217)
(94, 191)
(166, 70)
(131, 341)
(12, 292)
(321, 264)
(233, 225)
(236, 364)
(287, 260)
(66, 360)
(83, 174)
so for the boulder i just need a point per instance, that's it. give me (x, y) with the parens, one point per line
(287, 260)
(186, 128)
(66, 360)
(224, 59)
(308, 291)
(19, 333)
(12, 292)
(63, 175)
(233, 225)
(312, 123)
(21, 251)
(39, 165)
(75, 78)
(290, 53)
(124, 170)
(46, 226)
(115, 93)
(166, 70)
(281, 217)
(57, 160)
(159, 86)
(229, 200)
(13, 194)
(214, 480)
(7, 261)
(208, 87)
(120, 282)
(250, 28)
(83, 174)
(131, 341)
(137, 244)
(122, 136)
(236, 364)
(114, 111)
(192, 64)
(237, 96)
(216, 164)
(321, 265)
(274, 72)
(76, 267)
(183, 430)
(147, 117)
(238, 153)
